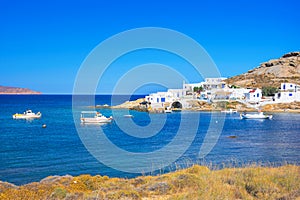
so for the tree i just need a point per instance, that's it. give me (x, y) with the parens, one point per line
(269, 91)
(198, 89)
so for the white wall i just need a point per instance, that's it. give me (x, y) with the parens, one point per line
(254, 96)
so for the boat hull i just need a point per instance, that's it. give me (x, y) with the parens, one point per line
(22, 116)
(95, 120)
(255, 116)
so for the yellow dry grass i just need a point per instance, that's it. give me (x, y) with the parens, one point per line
(196, 182)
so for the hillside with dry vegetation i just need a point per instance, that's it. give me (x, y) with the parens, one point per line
(271, 73)
(197, 182)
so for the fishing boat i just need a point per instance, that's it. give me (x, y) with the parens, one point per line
(259, 115)
(96, 117)
(28, 114)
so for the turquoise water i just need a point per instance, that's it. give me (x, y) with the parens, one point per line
(29, 152)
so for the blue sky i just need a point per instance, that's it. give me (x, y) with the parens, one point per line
(43, 43)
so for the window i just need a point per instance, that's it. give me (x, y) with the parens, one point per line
(163, 99)
(284, 86)
(257, 95)
(290, 94)
(157, 100)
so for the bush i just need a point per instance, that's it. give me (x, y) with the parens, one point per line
(269, 91)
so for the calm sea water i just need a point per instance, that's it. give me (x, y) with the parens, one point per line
(29, 152)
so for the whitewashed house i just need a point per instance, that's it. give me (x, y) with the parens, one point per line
(289, 92)
(208, 84)
(177, 93)
(238, 93)
(160, 97)
(289, 87)
(253, 95)
(214, 83)
(189, 87)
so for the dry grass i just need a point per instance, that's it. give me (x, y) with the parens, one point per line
(196, 182)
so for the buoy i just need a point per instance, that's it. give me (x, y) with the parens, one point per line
(44, 126)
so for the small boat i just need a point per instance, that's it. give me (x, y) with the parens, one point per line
(168, 111)
(96, 118)
(229, 111)
(27, 115)
(259, 115)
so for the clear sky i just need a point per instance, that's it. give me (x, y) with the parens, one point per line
(43, 43)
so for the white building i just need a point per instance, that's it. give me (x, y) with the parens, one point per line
(214, 83)
(289, 87)
(159, 99)
(254, 96)
(189, 87)
(289, 92)
(238, 93)
(207, 85)
(177, 93)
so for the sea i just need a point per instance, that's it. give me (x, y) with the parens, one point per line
(132, 146)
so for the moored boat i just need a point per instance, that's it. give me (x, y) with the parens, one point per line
(28, 114)
(259, 115)
(168, 111)
(96, 118)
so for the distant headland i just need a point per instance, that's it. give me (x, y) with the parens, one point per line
(16, 90)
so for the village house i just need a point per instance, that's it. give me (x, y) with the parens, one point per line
(289, 92)
(253, 96)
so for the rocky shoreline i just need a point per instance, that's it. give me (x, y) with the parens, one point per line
(197, 105)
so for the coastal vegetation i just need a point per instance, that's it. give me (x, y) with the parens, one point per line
(269, 91)
(196, 182)
(198, 89)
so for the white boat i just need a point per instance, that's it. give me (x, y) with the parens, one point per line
(229, 111)
(96, 118)
(168, 111)
(27, 115)
(259, 115)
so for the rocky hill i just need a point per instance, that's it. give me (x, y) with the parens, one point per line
(16, 90)
(271, 73)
